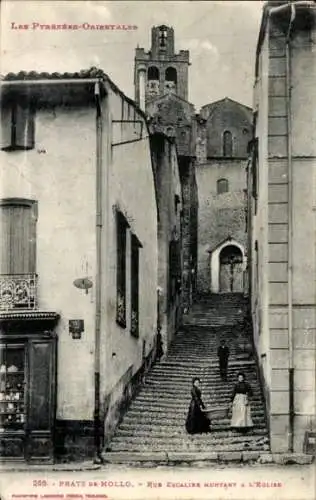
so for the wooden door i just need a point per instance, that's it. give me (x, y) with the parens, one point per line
(41, 398)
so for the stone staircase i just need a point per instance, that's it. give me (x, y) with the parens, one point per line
(155, 420)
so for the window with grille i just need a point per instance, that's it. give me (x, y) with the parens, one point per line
(222, 186)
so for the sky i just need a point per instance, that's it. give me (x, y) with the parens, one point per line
(220, 35)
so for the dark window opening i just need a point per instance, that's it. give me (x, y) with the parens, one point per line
(153, 73)
(163, 37)
(227, 143)
(175, 271)
(255, 172)
(18, 127)
(121, 228)
(176, 202)
(171, 75)
(231, 255)
(135, 246)
(222, 186)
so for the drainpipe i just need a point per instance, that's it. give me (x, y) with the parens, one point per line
(97, 437)
(290, 229)
(292, 6)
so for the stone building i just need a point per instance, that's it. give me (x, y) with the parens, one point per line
(161, 88)
(160, 70)
(79, 261)
(170, 227)
(282, 231)
(224, 130)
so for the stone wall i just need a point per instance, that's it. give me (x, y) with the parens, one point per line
(219, 215)
(283, 228)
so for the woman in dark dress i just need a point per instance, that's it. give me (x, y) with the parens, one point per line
(197, 422)
(241, 414)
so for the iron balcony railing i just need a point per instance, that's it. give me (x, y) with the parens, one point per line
(18, 291)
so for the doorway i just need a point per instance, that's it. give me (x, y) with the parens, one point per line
(231, 270)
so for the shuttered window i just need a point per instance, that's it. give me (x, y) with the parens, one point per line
(121, 227)
(18, 235)
(135, 246)
(17, 127)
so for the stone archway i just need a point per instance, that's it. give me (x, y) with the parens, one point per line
(228, 263)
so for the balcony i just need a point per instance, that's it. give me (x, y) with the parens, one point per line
(18, 292)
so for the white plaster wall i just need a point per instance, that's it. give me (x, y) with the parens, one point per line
(60, 174)
(130, 188)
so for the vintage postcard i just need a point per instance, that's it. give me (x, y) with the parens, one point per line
(157, 250)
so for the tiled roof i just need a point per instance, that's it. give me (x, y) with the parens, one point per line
(92, 73)
(34, 75)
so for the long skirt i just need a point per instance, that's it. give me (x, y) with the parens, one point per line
(197, 422)
(241, 413)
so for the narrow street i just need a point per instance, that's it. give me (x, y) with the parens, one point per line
(118, 482)
(155, 421)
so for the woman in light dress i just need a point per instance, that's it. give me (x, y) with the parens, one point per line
(241, 412)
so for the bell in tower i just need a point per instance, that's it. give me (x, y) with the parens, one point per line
(160, 71)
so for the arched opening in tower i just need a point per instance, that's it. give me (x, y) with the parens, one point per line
(231, 269)
(153, 77)
(171, 79)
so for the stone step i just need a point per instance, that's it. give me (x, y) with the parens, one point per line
(237, 446)
(171, 406)
(188, 369)
(127, 428)
(208, 441)
(178, 420)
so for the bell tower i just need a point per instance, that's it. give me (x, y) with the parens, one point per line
(160, 70)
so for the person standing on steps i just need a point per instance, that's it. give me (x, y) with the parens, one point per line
(197, 421)
(241, 413)
(159, 346)
(223, 355)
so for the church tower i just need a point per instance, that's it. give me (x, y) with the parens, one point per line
(160, 71)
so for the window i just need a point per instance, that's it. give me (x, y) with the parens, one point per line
(18, 234)
(121, 227)
(174, 270)
(153, 73)
(227, 143)
(17, 126)
(12, 403)
(255, 172)
(222, 186)
(171, 75)
(171, 80)
(135, 246)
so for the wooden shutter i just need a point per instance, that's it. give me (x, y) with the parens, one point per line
(6, 127)
(18, 235)
(23, 127)
(121, 226)
(135, 286)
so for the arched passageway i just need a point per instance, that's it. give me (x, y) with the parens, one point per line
(231, 269)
